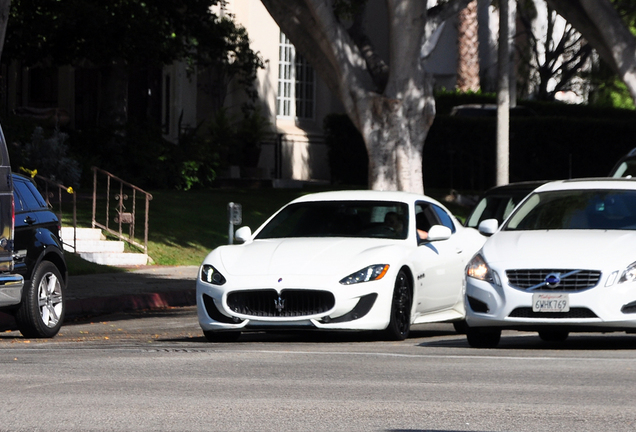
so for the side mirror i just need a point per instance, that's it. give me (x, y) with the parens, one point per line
(243, 234)
(488, 227)
(438, 233)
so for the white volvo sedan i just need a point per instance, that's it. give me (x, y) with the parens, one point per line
(564, 261)
(348, 260)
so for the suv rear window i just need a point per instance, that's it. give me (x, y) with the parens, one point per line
(27, 197)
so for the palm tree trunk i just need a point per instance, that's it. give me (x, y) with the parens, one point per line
(468, 47)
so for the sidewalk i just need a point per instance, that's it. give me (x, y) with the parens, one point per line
(151, 287)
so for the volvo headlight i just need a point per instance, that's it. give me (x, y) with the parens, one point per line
(371, 273)
(211, 275)
(478, 269)
(629, 275)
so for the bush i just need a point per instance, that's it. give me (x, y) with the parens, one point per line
(460, 152)
(562, 141)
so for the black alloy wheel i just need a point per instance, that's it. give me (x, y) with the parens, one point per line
(400, 321)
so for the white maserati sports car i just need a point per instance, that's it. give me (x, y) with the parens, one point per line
(348, 260)
(564, 261)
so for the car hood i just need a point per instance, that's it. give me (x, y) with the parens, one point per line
(590, 249)
(305, 256)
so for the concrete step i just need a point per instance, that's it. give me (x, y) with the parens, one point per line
(96, 246)
(82, 234)
(115, 259)
(92, 246)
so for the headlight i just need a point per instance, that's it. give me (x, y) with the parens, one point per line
(629, 275)
(478, 269)
(211, 275)
(371, 273)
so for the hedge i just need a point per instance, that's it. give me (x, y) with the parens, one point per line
(460, 153)
(562, 141)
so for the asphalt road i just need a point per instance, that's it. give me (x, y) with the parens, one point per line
(155, 371)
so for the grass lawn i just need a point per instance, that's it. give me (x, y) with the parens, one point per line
(185, 226)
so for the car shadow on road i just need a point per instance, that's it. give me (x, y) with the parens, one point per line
(321, 336)
(531, 341)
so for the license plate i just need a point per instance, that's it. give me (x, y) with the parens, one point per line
(542, 302)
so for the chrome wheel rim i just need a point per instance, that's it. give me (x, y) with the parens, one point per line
(50, 300)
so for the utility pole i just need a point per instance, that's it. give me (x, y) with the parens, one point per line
(503, 95)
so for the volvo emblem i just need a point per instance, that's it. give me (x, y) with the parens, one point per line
(279, 304)
(553, 280)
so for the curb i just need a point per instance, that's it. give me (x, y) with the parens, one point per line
(79, 309)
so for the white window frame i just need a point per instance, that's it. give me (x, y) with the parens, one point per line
(296, 96)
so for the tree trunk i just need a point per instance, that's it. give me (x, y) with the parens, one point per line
(468, 47)
(393, 118)
(394, 132)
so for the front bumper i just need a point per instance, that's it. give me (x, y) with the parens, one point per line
(606, 308)
(364, 307)
(11, 286)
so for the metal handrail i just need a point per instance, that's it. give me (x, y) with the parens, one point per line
(123, 217)
(60, 188)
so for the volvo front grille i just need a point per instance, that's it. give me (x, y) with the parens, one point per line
(553, 279)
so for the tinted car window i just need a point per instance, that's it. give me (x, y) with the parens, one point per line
(338, 219)
(427, 215)
(626, 168)
(494, 207)
(444, 217)
(27, 197)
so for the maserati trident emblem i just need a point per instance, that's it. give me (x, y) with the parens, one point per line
(279, 304)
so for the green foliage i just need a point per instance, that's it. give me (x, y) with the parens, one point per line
(48, 155)
(348, 158)
(249, 134)
(152, 162)
(136, 31)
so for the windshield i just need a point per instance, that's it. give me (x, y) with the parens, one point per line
(576, 209)
(378, 219)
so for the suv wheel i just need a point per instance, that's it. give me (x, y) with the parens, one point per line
(41, 312)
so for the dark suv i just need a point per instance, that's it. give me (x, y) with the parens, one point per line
(33, 271)
(39, 259)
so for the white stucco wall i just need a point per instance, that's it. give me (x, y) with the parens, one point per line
(304, 152)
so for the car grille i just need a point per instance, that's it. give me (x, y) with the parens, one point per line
(289, 303)
(569, 280)
(527, 312)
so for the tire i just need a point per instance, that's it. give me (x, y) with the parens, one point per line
(41, 312)
(222, 336)
(554, 335)
(460, 326)
(400, 319)
(483, 337)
